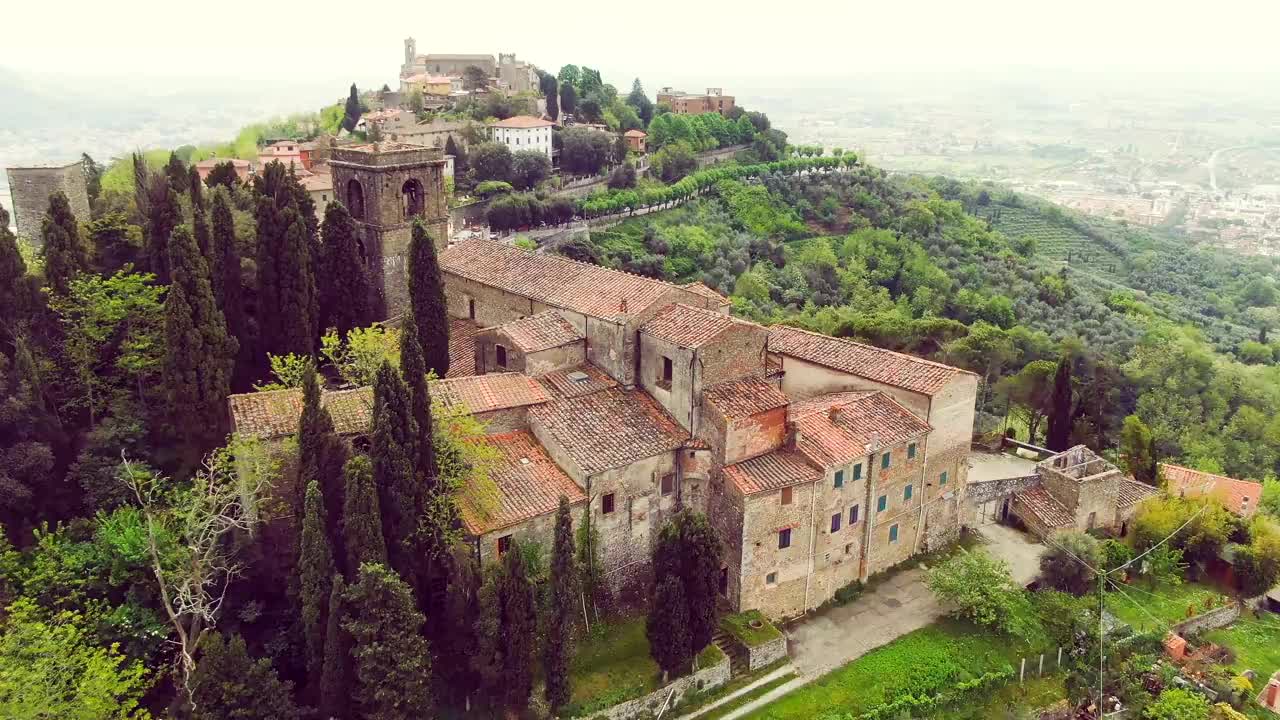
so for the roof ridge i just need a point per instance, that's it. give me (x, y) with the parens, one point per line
(568, 260)
(906, 356)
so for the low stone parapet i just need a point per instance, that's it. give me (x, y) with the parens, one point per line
(670, 694)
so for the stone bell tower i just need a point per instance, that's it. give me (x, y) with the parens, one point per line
(385, 186)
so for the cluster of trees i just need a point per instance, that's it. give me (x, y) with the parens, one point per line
(522, 210)
(492, 162)
(706, 131)
(582, 93)
(682, 613)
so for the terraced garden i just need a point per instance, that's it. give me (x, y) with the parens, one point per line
(1057, 241)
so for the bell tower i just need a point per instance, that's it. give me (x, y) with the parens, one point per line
(410, 51)
(385, 186)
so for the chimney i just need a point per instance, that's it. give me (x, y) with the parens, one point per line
(874, 444)
(622, 306)
(1272, 694)
(833, 413)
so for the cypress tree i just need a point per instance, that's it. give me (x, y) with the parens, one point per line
(455, 642)
(563, 588)
(162, 216)
(393, 449)
(315, 577)
(1058, 435)
(459, 155)
(413, 368)
(199, 354)
(390, 658)
(426, 295)
(321, 455)
(286, 281)
(195, 188)
(228, 683)
(335, 678)
(701, 568)
(519, 629)
(200, 229)
(65, 255)
(361, 523)
(228, 287)
(667, 627)
(346, 297)
(176, 173)
(19, 292)
(296, 292)
(352, 111)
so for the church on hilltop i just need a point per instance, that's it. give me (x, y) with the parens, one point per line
(507, 73)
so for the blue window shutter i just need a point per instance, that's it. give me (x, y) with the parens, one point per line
(893, 533)
(857, 471)
(884, 461)
(882, 503)
(942, 479)
(906, 494)
(839, 478)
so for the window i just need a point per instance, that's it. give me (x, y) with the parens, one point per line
(848, 548)
(668, 483)
(606, 503)
(471, 309)
(839, 478)
(501, 353)
(835, 522)
(942, 479)
(882, 503)
(853, 514)
(666, 371)
(784, 539)
(786, 496)
(884, 461)
(893, 533)
(324, 198)
(504, 544)
(771, 579)
(906, 493)
(911, 451)
(857, 471)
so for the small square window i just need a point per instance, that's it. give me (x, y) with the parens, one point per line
(835, 522)
(839, 478)
(911, 451)
(853, 515)
(504, 544)
(882, 503)
(884, 461)
(784, 539)
(893, 533)
(942, 479)
(668, 483)
(906, 493)
(771, 579)
(606, 503)
(786, 496)
(666, 372)
(857, 471)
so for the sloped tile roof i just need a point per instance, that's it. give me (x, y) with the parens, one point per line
(635, 133)
(687, 326)
(1045, 507)
(771, 471)
(492, 391)
(698, 288)
(556, 281)
(609, 429)
(565, 383)
(1239, 496)
(523, 121)
(837, 428)
(1132, 492)
(543, 331)
(462, 348)
(528, 484)
(884, 366)
(744, 397)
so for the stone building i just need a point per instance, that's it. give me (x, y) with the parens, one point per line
(683, 103)
(634, 398)
(1078, 490)
(385, 187)
(523, 132)
(1239, 496)
(30, 188)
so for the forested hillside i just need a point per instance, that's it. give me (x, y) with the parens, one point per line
(1000, 283)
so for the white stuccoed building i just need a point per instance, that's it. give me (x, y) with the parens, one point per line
(523, 132)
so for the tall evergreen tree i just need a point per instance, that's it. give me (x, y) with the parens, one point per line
(195, 188)
(19, 292)
(321, 455)
(176, 173)
(335, 677)
(519, 629)
(228, 286)
(563, 589)
(352, 111)
(199, 354)
(228, 683)
(200, 229)
(455, 643)
(315, 577)
(459, 154)
(361, 522)
(30, 440)
(286, 280)
(393, 449)
(667, 626)
(390, 658)
(163, 214)
(65, 254)
(689, 550)
(346, 297)
(413, 368)
(1058, 435)
(426, 295)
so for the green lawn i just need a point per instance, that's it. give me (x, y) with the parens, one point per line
(610, 666)
(926, 660)
(1255, 642)
(1011, 701)
(1167, 603)
(740, 627)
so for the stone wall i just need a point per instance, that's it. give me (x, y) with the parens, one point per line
(766, 653)
(649, 705)
(882, 552)
(31, 188)
(540, 529)
(1216, 618)
(711, 157)
(764, 516)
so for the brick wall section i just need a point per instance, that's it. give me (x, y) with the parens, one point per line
(649, 705)
(534, 363)
(506, 420)
(31, 188)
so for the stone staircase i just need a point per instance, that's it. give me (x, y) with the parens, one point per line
(739, 663)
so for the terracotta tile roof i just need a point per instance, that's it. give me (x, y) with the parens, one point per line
(610, 428)
(527, 481)
(837, 428)
(1045, 507)
(275, 413)
(688, 326)
(317, 182)
(771, 471)
(567, 383)
(462, 348)
(523, 121)
(493, 391)
(540, 332)
(1239, 496)
(698, 288)
(1132, 492)
(884, 366)
(213, 162)
(635, 133)
(744, 397)
(351, 410)
(556, 281)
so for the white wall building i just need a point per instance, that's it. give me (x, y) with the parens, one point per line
(523, 132)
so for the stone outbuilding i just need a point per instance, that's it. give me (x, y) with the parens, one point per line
(534, 345)
(1078, 490)
(1239, 496)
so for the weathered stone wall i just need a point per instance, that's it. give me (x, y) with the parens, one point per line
(537, 363)
(735, 353)
(540, 529)
(1098, 495)
(695, 478)
(649, 705)
(556, 358)
(492, 306)
(976, 494)
(1216, 618)
(31, 188)
(802, 379)
(766, 653)
(951, 413)
(506, 420)
(882, 553)
(725, 511)
(711, 157)
(755, 435)
(763, 518)
(678, 395)
(1064, 488)
(640, 509)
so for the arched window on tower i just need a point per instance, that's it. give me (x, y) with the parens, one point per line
(355, 199)
(412, 198)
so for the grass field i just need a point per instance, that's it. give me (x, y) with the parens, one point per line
(739, 626)
(1255, 640)
(610, 666)
(1168, 604)
(1059, 242)
(1011, 701)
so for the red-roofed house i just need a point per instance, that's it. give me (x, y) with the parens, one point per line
(534, 345)
(1239, 496)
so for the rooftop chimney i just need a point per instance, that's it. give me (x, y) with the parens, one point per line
(622, 306)
(874, 445)
(833, 413)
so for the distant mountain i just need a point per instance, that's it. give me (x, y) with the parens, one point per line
(26, 103)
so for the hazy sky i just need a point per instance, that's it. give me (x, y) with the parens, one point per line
(665, 41)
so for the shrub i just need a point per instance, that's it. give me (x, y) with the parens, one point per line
(1178, 704)
(1063, 567)
(980, 589)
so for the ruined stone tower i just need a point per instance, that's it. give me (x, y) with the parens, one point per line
(385, 186)
(31, 188)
